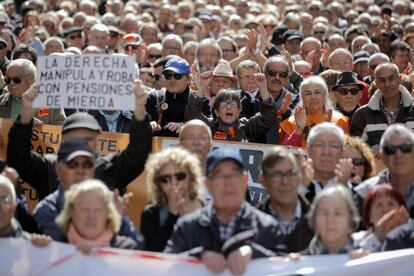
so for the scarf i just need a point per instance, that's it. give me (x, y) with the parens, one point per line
(102, 240)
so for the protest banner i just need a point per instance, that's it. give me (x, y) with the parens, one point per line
(20, 257)
(86, 81)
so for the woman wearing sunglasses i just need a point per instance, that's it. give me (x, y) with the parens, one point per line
(363, 160)
(384, 210)
(173, 178)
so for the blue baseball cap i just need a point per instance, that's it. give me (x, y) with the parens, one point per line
(221, 154)
(177, 65)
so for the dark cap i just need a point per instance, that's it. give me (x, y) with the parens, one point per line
(177, 65)
(221, 154)
(361, 56)
(73, 148)
(291, 35)
(80, 120)
(346, 78)
(277, 34)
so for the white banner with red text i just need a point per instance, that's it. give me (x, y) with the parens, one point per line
(20, 257)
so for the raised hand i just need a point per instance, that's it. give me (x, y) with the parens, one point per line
(141, 96)
(343, 170)
(326, 51)
(28, 98)
(300, 119)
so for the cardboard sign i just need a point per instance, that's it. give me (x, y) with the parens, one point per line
(86, 81)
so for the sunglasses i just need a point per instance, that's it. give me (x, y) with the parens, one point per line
(345, 91)
(72, 37)
(392, 149)
(88, 164)
(167, 178)
(169, 76)
(16, 80)
(2, 46)
(358, 161)
(154, 56)
(273, 73)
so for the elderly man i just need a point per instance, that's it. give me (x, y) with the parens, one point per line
(326, 143)
(4, 61)
(348, 93)
(172, 44)
(75, 163)
(99, 36)
(292, 40)
(390, 104)
(133, 46)
(117, 170)
(310, 51)
(73, 37)
(277, 74)
(166, 107)
(373, 62)
(228, 48)
(20, 75)
(397, 153)
(228, 232)
(208, 55)
(250, 95)
(281, 176)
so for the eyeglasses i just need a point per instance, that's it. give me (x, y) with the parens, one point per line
(131, 47)
(319, 32)
(169, 76)
(358, 161)
(232, 104)
(167, 178)
(154, 56)
(274, 73)
(345, 91)
(278, 176)
(88, 164)
(72, 37)
(5, 200)
(392, 149)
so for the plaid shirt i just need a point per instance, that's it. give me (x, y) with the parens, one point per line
(226, 230)
(391, 116)
(287, 226)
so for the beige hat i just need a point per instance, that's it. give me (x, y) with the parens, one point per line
(223, 69)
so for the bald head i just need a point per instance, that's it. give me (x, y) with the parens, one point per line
(195, 136)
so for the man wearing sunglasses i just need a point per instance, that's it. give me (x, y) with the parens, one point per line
(167, 112)
(20, 75)
(74, 38)
(348, 92)
(391, 103)
(75, 163)
(277, 74)
(397, 153)
(228, 232)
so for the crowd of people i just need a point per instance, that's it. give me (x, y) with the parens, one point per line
(334, 79)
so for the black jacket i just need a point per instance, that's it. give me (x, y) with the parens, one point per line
(156, 235)
(400, 238)
(115, 170)
(199, 231)
(172, 107)
(300, 238)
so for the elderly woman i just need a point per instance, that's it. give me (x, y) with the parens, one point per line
(90, 218)
(173, 178)
(363, 160)
(334, 217)
(384, 210)
(314, 108)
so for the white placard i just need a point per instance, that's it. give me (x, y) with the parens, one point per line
(86, 81)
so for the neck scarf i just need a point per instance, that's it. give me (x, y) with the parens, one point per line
(102, 240)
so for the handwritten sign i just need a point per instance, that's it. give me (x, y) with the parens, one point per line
(86, 81)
